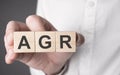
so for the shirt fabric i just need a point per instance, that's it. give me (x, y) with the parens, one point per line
(99, 22)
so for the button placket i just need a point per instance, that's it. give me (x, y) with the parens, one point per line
(89, 19)
(91, 3)
(88, 29)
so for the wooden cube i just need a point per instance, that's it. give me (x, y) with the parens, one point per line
(24, 42)
(45, 41)
(65, 41)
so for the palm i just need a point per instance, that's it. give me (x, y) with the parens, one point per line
(45, 61)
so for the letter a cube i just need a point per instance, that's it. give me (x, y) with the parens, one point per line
(24, 42)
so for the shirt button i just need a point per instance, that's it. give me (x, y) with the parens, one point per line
(91, 4)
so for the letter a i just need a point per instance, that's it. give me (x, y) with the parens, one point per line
(23, 42)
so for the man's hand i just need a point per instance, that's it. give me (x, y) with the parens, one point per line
(50, 63)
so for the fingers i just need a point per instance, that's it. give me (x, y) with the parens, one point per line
(11, 27)
(34, 23)
(8, 39)
(79, 39)
(37, 23)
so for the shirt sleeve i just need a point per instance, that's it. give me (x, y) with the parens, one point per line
(36, 72)
(63, 70)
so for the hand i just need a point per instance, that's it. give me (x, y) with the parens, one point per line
(50, 63)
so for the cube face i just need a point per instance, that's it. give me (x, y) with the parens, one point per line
(65, 42)
(45, 41)
(24, 42)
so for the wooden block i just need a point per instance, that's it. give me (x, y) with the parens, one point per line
(45, 41)
(23, 42)
(65, 41)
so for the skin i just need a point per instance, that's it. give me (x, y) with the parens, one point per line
(50, 63)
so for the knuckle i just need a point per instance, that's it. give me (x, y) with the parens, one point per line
(11, 23)
(34, 18)
(11, 26)
(31, 17)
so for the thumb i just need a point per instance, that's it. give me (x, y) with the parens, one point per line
(79, 39)
(37, 23)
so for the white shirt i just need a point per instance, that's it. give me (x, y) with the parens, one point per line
(99, 22)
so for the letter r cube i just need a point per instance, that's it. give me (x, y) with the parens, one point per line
(65, 41)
